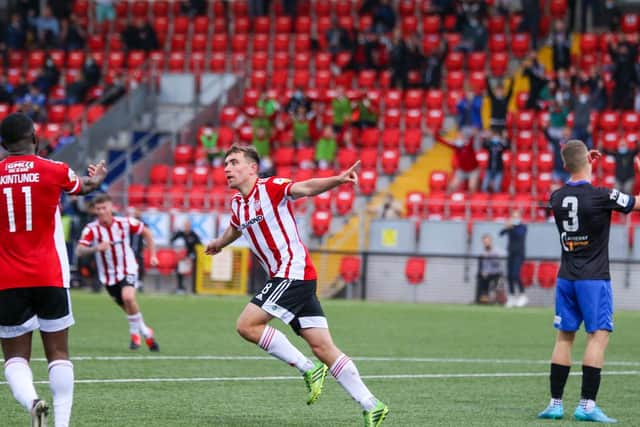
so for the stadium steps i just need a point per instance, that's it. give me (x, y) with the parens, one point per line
(415, 177)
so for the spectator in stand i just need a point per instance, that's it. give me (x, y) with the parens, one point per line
(269, 106)
(625, 165)
(91, 72)
(187, 264)
(298, 99)
(257, 8)
(534, 71)
(432, 67)
(303, 129)
(72, 36)
(16, 33)
(365, 114)
(21, 89)
(105, 10)
(6, 90)
(114, 90)
(208, 138)
(415, 58)
(556, 142)
(368, 7)
(489, 270)
(560, 42)
(326, 148)
(516, 231)
(559, 109)
(465, 162)
(384, 17)
(582, 105)
(584, 7)
(389, 208)
(27, 8)
(341, 106)
(140, 36)
(346, 138)
(499, 105)
(61, 9)
(338, 39)
(194, 7)
(474, 36)
(261, 121)
(611, 15)
(34, 100)
(496, 144)
(531, 20)
(625, 75)
(48, 28)
(262, 145)
(469, 111)
(399, 59)
(48, 76)
(66, 136)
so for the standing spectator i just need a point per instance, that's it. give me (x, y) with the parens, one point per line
(389, 208)
(556, 143)
(517, 234)
(366, 112)
(208, 139)
(48, 76)
(187, 264)
(499, 105)
(194, 7)
(611, 15)
(625, 165)
(140, 35)
(91, 72)
(582, 106)
(341, 106)
(298, 99)
(384, 17)
(260, 120)
(560, 41)
(303, 129)
(269, 105)
(105, 10)
(464, 160)
(326, 148)
(399, 58)
(625, 75)
(474, 36)
(48, 28)
(496, 144)
(337, 38)
(584, 8)
(489, 270)
(469, 111)
(432, 71)
(27, 8)
(6, 90)
(72, 36)
(16, 34)
(534, 71)
(531, 20)
(114, 90)
(262, 144)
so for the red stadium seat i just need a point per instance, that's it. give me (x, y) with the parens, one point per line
(430, 43)
(412, 141)
(434, 99)
(435, 120)
(630, 23)
(370, 137)
(435, 205)
(523, 182)
(413, 119)
(390, 161)
(455, 80)
(183, 154)
(350, 268)
(630, 121)
(438, 181)
(393, 99)
(524, 161)
(498, 64)
(369, 158)
(476, 61)
(545, 162)
(415, 270)
(479, 206)
(497, 43)
(392, 118)
(454, 61)
(609, 121)
(179, 176)
(322, 202)
(543, 186)
(520, 44)
(155, 196)
(500, 203)
(57, 114)
(136, 195)
(344, 201)
(346, 157)
(457, 206)
(496, 24)
(524, 120)
(547, 274)
(527, 273)
(477, 82)
(320, 222)
(284, 156)
(368, 182)
(415, 204)
(431, 24)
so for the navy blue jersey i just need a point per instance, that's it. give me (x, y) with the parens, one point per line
(583, 216)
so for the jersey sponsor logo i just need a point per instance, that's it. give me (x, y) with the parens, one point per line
(252, 221)
(259, 297)
(20, 166)
(570, 243)
(281, 181)
(72, 175)
(621, 199)
(614, 194)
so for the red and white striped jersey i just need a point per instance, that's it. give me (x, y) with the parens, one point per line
(32, 247)
(265, 218)
(119, 261)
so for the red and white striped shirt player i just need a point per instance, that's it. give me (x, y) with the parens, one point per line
(261, 211)
(119, 262)
(276, 240)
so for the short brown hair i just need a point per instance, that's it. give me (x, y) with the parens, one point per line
(248, 151)
(101, 198)
(574, 155)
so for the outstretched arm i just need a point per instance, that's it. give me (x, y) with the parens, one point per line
(230, 235)
(315, 186)
(97, 174)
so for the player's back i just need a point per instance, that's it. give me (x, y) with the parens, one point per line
(582, 214)
(33, 251)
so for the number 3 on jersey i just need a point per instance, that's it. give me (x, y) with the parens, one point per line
(572, 224)
(11, 213)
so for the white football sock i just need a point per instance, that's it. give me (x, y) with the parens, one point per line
(20, 379)
(276, 344)
(347, 375)
(137, 325)
(61, 384)
(587, 404)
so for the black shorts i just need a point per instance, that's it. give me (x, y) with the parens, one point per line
(24, 310)
(116, 290)
(292, 301)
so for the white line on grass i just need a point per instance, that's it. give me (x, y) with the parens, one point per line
(363, 358)
(297, 378)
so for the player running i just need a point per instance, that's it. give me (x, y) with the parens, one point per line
(108, 238)
(583, 216)
(262, 212)
(35, 268)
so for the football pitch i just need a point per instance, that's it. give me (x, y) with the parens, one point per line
(435, 365)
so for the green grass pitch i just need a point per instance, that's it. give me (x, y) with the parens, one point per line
(436, 365)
